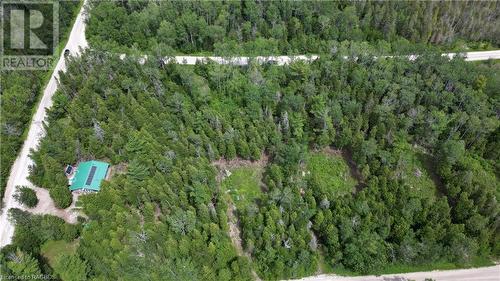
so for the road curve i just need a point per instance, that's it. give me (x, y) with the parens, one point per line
(19, 170)
(491, 273)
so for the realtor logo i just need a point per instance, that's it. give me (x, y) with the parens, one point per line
(30, 33)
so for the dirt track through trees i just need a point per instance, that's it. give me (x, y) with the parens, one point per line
(234, 233)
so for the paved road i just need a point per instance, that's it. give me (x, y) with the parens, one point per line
(278, 60)
(491, 273)
(19, 171)
(478, 56)
(283, 60)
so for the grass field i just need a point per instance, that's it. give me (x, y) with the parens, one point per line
(330, 173)
(52, 249)
(243, 185)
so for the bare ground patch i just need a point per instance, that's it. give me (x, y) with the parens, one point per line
(46, 206)
(118, 169)
(224, 166)
(353, 168)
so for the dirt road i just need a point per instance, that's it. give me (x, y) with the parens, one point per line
(19, 171)
(491, 273)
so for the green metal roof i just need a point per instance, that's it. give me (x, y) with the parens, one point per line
(89, 175)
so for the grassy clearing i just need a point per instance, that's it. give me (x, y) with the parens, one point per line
(330, 173)
(415, 169)
(52, 249)
(243, 185)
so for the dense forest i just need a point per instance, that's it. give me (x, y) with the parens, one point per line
(20, 91)
(419, 143)
(165, 216)
(288, 27)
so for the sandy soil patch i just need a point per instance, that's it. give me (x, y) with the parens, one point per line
(46, 206)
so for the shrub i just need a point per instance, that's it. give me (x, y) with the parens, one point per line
(62, 197)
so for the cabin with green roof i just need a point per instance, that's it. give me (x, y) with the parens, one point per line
(88, 176)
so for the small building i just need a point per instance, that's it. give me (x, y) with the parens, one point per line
(88, 176)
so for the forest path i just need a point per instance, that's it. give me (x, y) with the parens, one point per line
(235, 234)
(20, 169)
(234, 230)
